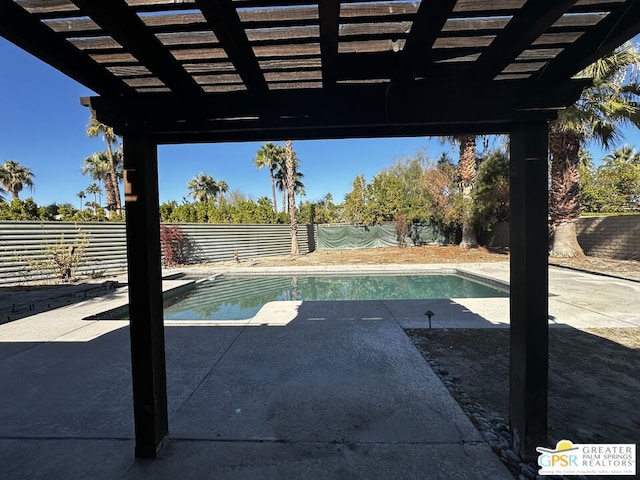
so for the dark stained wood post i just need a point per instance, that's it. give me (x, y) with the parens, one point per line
(145, 296)
(529, 307)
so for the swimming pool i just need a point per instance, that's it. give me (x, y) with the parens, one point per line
(241, 297)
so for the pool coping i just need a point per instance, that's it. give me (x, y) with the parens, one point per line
(571, 304)
(282, 308)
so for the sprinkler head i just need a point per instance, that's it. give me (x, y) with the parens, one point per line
(429, 314)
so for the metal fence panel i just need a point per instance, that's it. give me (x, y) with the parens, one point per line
(23, 243)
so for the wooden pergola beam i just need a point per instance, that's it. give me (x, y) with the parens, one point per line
(427, 24)
(297, 132)
(22, 29)
(130, 31)
(529, 288)
(431, 105)
(146, 318)
(224, 20)
(532, 20)
(615, 29)
(329, 13)
(385, 65)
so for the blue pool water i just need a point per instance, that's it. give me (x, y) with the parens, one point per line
(240, 297)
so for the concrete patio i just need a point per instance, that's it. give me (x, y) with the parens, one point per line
(308, 390)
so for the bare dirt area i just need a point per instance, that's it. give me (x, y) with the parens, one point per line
(594, 384)
(629, 269)
(389, 255)
(593, 379)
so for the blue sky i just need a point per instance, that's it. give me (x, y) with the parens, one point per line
(43, 125)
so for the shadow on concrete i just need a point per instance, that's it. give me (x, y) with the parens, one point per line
(448, 313)
(332, 398)
(18, 302)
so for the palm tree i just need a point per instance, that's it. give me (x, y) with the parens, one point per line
(202, 187)
(624, 154)
(290, 166)
(467, 178)
(281, 184)
(97, 167)
(113, 177)
(467, 170)
(114, 161)
(14, 177)
(81, 195)
(272, 156)
(620, 174)
(281, 180)
(94, 189)
(223, 187)
(601, 110)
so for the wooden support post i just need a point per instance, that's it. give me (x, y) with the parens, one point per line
(145, 296)
(529, 307)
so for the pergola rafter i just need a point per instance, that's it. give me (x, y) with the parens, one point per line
(425, 29)
(524, 28)
(329, 13)
(224, 20)
(619, 26)
(53, 49)
(128, 30)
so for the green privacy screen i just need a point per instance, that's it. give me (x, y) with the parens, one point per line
(340, 237)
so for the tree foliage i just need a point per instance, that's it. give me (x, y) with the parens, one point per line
(491, 191)
(385, 198)
(440, 180)
(29, 210)
(420, 190)
(14, 177)
(18, 209)
(355, 208)
(204, 187)
(614, 186)
(237, 209)
(320, 211)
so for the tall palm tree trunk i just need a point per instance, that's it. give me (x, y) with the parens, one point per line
(564, 204)
(467, 169)
(273, 187)
(109, 194)
(292, 202)
(285, 206)
(113, 201)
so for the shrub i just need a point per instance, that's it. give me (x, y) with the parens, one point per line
(61, 259)
(175, 245)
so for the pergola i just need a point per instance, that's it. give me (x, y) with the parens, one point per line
(180, 71)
